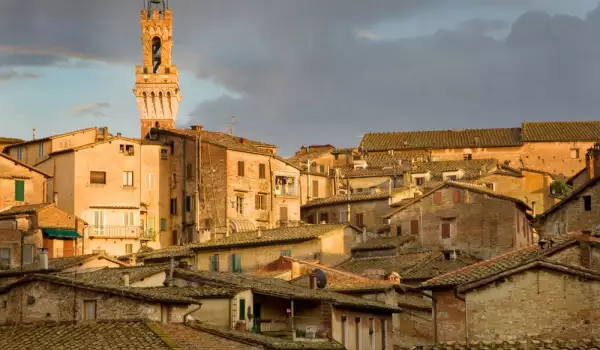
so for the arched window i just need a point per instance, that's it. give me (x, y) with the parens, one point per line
(156, 59)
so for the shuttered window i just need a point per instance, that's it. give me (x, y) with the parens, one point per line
(236, 263)
(189, 172)
(98, 177)
(446, 230)
(358, 219)
(163, 224)
(437, 198)
(89, 310)
(175, 238)
(262, 171)
(128, 178)
(214, 263)
(260, 201)
(242, 309)
(456, 196)
(414, 227)
(315, 188)
(240, 168)
(19, 190)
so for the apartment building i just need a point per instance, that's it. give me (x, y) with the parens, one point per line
(21, 184)
(7, 141)
(115, 185)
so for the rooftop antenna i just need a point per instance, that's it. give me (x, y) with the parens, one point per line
(232, 125)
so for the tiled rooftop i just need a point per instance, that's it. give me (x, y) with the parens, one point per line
(192, 338)
(561, 131)
(23, 209)
(438, 266)
(546, 344)
(437, 139)
(59, 264)
(10, 140)
(572, 196)
(115, 275)
(343, 198)
(398, 263)
(499, 264)
(383, 243)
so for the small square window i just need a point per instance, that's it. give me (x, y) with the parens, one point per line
(89, 310)
(575, 153)
(163, 224)
(587, 203)
(128, 248)
(98, 177)
(164, 154)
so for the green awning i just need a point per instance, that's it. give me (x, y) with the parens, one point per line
(60, 233)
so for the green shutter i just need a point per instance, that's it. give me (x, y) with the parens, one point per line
(211, 263)
(163, 224)
(19, 190)
(242, 309)
(237, 262)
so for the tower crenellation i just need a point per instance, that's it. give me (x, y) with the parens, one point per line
(157, 79)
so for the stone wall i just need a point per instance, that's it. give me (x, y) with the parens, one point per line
(371, 211)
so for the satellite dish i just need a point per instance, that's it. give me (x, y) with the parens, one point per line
(321, 278)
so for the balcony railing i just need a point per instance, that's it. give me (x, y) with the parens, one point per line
(109, 231)
(285, 190)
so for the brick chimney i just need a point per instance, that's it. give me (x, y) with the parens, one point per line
(592, 161)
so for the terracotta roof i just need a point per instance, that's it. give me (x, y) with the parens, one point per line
(343, 198)
(343, 150)
(114, 275)
(499, 264)
(398, 263)
(572, 196)
(175, 295)
(59, 264)
(82, 336)
(189, 337)
(301, 159)
(436, 139)
(17, 162)
(438, 266)
(387, 159)
(10, 140)
(476, 189)
(274, 343)
(50, 137)
(175, 251)
(279, 288)
(546, 344)
(92, 145)
(23, 209)
(383, 243)
(561, 131)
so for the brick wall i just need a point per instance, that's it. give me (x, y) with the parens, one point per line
(481, 225)
(572, 215)
(450, 317)
(534, 304)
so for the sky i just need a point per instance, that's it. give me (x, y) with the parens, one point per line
(296, 72)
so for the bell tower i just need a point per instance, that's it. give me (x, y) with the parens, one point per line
(157, 81)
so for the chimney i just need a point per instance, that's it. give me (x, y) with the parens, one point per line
(303, 150)
(295, 269)
(118, 134)
(242, 140)
(33, 133)
(44, 258)
(592, 161)
(364, 234)
(312, 284)
(259, 232)
(197, 127)
(171, 267)
(126, 279)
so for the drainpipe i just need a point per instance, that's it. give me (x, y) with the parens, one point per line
(191, 312)
(271, 179)
(197, 192)
(183, 174)
(308, 184)
(22, 243)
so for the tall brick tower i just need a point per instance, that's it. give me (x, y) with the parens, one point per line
(157, 81)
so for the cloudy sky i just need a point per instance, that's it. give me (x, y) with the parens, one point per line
(305, 71)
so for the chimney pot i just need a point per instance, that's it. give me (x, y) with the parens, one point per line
(118, 134)
(126, 279)
(34, 133)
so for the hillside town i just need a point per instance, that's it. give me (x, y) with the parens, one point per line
(186, 238)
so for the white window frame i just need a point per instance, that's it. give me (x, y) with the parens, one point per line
(40, 150)
(127, 179)
(19, 153)
(99, 217)
(128, 218)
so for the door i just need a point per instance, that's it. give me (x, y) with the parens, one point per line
(256, 320)
(68, 248)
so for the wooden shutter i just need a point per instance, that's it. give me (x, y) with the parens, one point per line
(456, 196)
(211, 263)
(283, 213)
(315, 188)
(446, 230)
(237, 259)
(242, 309)
(414, 227)
(240, 168)
(174, 238)
(399, 230)
(19, 190)
(359, 219)
(437, 198)
(257, 201)
(262, 171)
(98, 177)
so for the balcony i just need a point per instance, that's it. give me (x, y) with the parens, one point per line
(285, 190)
(122, 231)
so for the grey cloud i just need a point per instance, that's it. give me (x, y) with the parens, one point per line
(478, 26)
(95, 110)
(12, 74)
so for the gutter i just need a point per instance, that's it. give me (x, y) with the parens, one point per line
(191, 312)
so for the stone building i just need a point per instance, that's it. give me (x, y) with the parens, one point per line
(116, 186)
(224, 184)
(553, 286)
(21, 184)
(7, 141)
(25, 229)
(554, 147)
(591, 169)
(479, 222)
(36, 150)
(249, 251)
(360, 209)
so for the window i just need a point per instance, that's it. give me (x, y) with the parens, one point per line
(19, 190)
(343, 216)
(286, 252)
(437, 198)
(344, 330)
(175, 237)
(4, 258)
(188, 204)
(128, 219)
(445, 230)
(310, 219)
(28, 253)
(456, 196)
(128, 179)
(419, 181)
(173, 206)
(40, 149)
(315, 188)
(283, 215)
(207, 223)
(357, 335)
(242, 309)
(262, 171)
(126, 149)
(236, 263)
(323, 218)
(587, 203)
(575, 153)
(371, 333)
(260, 201)
(322, 169)
(451, 178)
(384, 335)
(149, 181)
(414, 227)
(163, 224)
(239, 205)
(164, 155)
(398, 230)
(20, 153)
(214, 263)
(151, 227)
(398, 181)
(467, 156)
(128, 248)
(358, 219)
(89, 310)
(99, 222)
(240, 168)
(490, 185)
(98, 177)
(189, 172)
